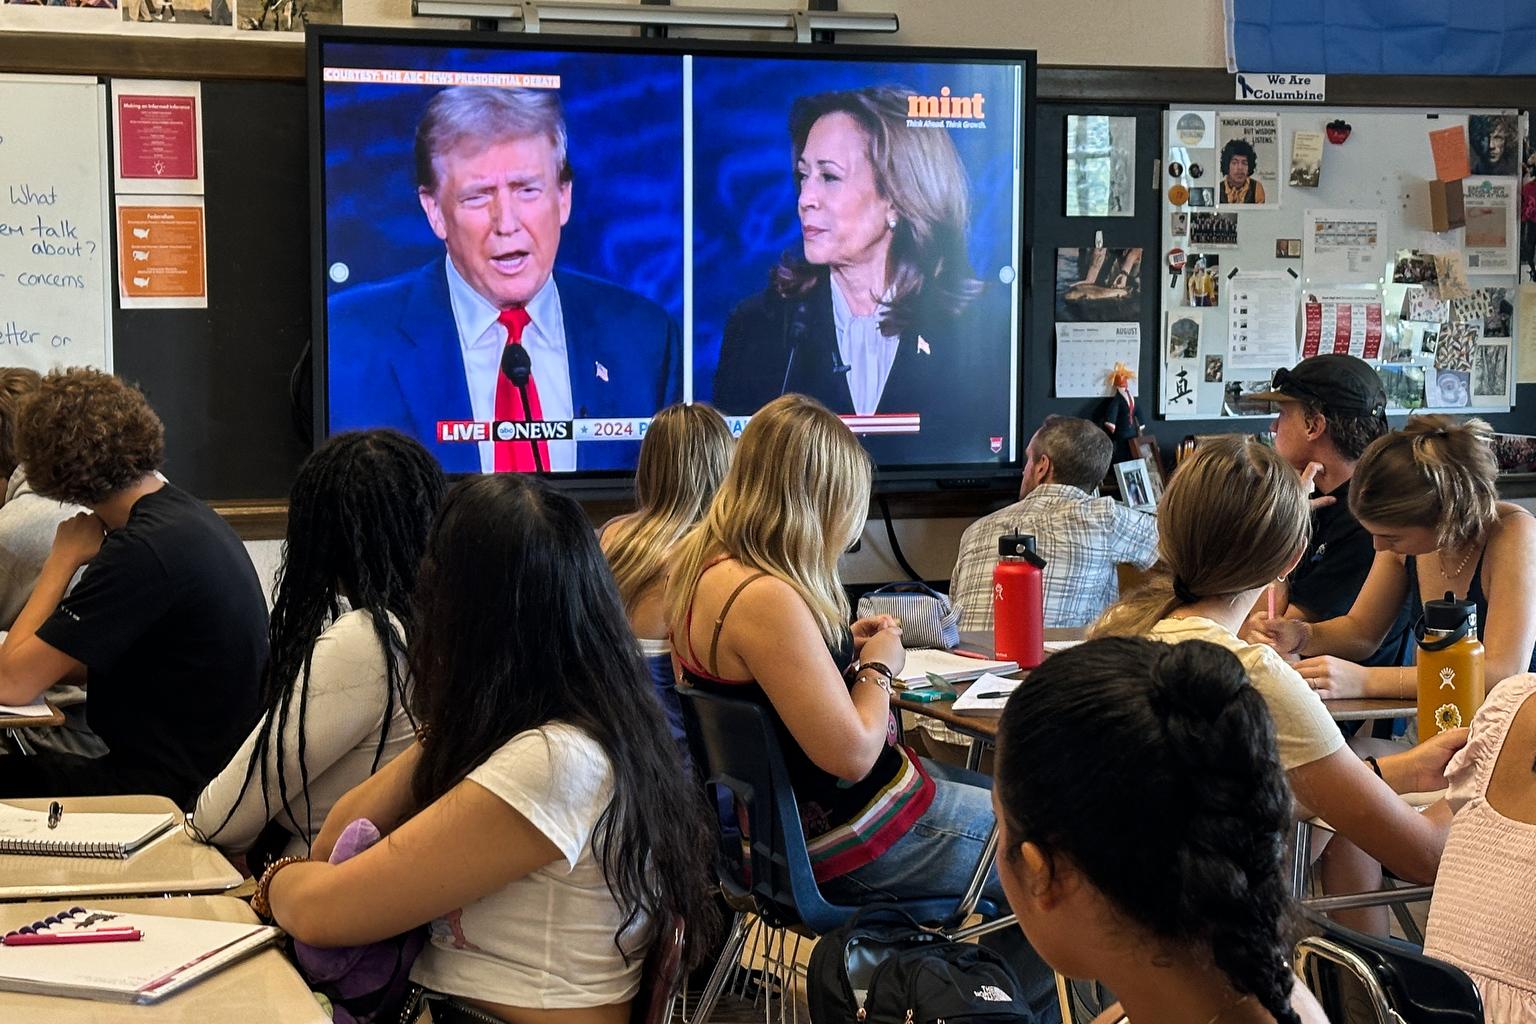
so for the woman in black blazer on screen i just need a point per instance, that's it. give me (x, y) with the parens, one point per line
(881, 313)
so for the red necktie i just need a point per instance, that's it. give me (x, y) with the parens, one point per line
(517, 456)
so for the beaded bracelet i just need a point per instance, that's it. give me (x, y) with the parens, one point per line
(260, 898)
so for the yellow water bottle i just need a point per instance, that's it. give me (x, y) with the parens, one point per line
(1450, 666)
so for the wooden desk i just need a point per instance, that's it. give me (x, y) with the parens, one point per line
(264, 987)
(49, 721)
(172, 864)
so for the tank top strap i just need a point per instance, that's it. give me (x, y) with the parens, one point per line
(725, 609)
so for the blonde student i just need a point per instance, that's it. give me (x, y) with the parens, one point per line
(1234, 519)
(683, 458)
(1428, 495)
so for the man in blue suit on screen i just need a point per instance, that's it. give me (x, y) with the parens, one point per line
(430, 345)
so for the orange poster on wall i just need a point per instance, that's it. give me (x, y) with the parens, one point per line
(162, 255)
(1449, 146)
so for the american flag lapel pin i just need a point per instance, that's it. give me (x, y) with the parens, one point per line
(602, 373)
(922, 346)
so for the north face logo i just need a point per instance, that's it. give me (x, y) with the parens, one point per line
(993, 994)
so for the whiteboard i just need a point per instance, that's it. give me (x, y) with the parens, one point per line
(55, 268)
(1384, 165)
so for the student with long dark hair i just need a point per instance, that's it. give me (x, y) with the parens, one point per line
(1143, 812)
(543, 822)
(334, 689)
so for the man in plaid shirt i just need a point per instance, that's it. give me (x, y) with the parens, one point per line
(1081, 538)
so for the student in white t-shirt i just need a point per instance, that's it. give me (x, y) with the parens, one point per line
(1234, 519)
(543, 822)
(336, 699)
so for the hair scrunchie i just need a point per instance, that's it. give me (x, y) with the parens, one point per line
(1182, 592)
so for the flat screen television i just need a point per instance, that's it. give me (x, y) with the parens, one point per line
(526, 246)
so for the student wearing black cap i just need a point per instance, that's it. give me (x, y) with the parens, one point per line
(1331, 407)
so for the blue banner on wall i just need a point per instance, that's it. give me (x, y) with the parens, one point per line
(1382, 37)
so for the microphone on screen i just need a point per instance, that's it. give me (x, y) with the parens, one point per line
(517, 366)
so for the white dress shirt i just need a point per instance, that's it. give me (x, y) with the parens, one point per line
(861, 346)
(481, 340)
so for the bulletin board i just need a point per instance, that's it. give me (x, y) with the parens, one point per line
(1315, 267)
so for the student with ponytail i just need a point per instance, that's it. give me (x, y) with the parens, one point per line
(334, 686)
(1234, 519)
(683, 458)
(1428, 495)
(1143, 814)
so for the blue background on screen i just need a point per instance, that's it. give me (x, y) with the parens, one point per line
(624, 119)
(744, 196)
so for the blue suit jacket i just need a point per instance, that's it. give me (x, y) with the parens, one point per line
(395, 361)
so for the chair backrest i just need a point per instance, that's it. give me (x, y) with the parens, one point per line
(1362, 979)
(735, 748)
(661, 976)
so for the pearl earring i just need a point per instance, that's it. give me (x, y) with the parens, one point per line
(890, 221)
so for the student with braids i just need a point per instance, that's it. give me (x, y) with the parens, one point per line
(1143, 813)
(1428, 495)
(1233, 519)
(683, 458)
(543, 823)
(334, 691)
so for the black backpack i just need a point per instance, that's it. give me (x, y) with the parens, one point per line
(881, 968)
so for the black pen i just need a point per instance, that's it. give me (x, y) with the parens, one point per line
(55, 812)
(994, 695)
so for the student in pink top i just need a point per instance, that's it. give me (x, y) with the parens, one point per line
(1485, 895)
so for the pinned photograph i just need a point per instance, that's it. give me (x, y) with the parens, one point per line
(1176, 170)
(1499, 315)
(1250, 159)
(1202, 197)
(179, 12)
(1423, 305)
(1453, 389)
(1413, 267)
(1218, 230)
(1490, 371)
(287, 15)
(1453, 350)
(1184, 336)
(1429, 342)
(1098, 285)
(1101, 152)
(1451, 275)
(1495, 140)
(1402, 350)
(1306, 159)
(1213, 369)
(1287, 248)
(1404, 386)
(1237, 398)
(1178, 224)
(1202, 281)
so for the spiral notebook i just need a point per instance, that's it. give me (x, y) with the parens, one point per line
(173, 953)
(79, 833)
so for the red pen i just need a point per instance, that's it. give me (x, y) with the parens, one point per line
(70, 939)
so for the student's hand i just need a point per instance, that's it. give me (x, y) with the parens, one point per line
(1308, 476)
(885, 646)
(1288, 636)
(1333, 678)
(863, 629)
(1428, 760)
(78, 539)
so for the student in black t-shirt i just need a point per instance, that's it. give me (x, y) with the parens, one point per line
(167, 626)
(1331, 408)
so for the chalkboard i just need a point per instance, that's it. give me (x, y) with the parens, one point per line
(55, 296)
(221, 378)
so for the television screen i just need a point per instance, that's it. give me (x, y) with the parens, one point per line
(530, 246)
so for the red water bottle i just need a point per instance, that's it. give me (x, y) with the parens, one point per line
(1018, 602)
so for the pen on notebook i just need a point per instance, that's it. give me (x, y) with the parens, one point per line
(55, 813)
(71, 939)
(994, 695)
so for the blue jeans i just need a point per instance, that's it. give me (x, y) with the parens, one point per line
(937, 858)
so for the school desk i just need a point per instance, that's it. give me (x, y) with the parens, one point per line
(13, 724)
(264, 987)
(172, 864)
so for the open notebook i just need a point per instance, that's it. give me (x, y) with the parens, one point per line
(952, 668)
(78, 833)
(174, 953)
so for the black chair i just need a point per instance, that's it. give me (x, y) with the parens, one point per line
(735, 748)
(1362, 979)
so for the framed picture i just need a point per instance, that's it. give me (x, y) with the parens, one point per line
(1144, 447)
(1135, 483)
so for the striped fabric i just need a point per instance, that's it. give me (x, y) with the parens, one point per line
(877, 827)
